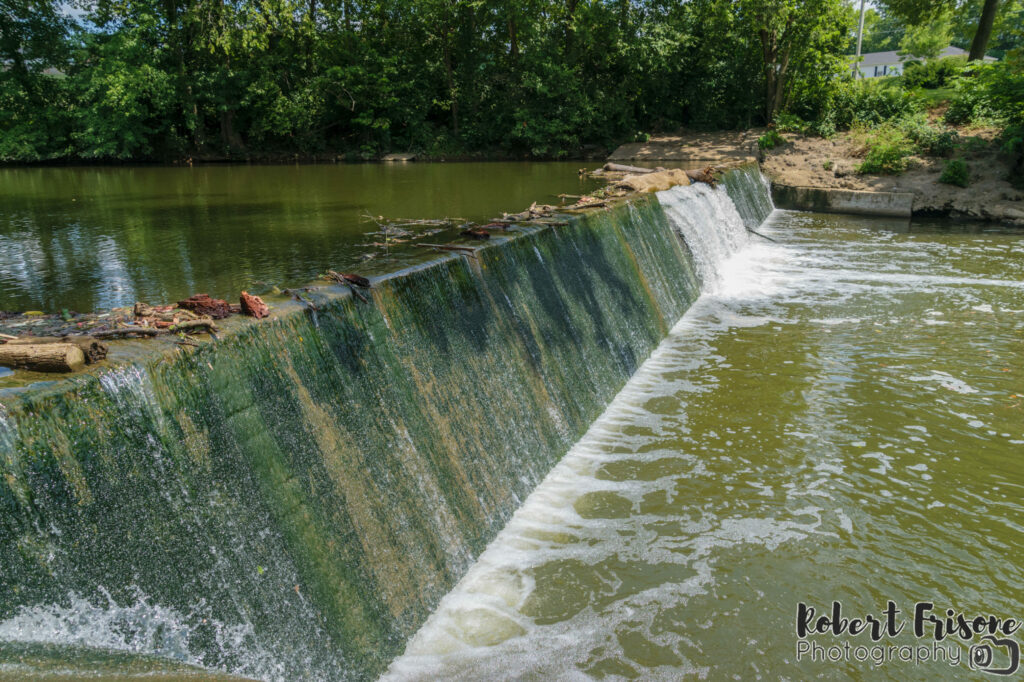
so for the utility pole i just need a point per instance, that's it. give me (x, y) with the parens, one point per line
(860, 39)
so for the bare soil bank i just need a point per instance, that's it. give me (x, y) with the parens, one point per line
(832, 163)
(817, 162)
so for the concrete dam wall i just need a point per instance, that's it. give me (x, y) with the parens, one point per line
(292, 501)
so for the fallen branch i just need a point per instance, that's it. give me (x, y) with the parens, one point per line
(184, 327)
(125, 332)
(93, 350)
(448, 247)
(476, 233)
(762, 236)
(42, 357)
(633, 170)
(193, 324)
(348, 278)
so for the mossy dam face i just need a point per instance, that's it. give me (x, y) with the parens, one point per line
(292, 501)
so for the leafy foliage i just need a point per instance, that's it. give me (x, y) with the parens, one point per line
(927, 138)
(927, 39)
(887, 149)
(770, 140)
(171, 78)
(934, 73)
(955, 172)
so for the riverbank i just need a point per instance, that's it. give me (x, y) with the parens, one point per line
(832, 163)
(805, 161)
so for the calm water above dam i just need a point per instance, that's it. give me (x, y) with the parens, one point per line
(839, 417)
(86, 238)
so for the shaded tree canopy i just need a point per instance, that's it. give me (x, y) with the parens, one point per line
(170, 79)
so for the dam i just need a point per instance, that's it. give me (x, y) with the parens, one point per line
(621, 448)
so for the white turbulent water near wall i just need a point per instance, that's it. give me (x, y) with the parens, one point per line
(707, 220)
(815, 427)
(480, 630)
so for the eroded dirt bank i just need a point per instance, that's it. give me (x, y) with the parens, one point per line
(819, 162)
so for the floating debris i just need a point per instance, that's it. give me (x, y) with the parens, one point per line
(202, 304)
(348, 278)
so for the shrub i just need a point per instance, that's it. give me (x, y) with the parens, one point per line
(955, 173)
(846, 103)
(970, 104)
(1013, 144)
(886, 149)
(827, 165)
(934, 73)
(929, 139)
(790, 123)
(869, 102)
(770, 139)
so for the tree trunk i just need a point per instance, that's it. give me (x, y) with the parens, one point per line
(513, 39)
(984, 32)
(44, 357)
(230, 137)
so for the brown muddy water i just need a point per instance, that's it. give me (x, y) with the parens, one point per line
(840, 417)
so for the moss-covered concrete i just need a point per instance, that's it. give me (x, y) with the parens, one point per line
(322, 480)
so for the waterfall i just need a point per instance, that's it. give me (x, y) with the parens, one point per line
(293, 500)
(751, 194)
(489, 619)
(707, 220)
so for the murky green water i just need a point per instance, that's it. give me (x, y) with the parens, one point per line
(85, 238)
(840, 418)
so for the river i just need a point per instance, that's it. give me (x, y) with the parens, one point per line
(99, 237)
(839, 417)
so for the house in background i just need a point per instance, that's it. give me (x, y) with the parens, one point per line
(877, 64)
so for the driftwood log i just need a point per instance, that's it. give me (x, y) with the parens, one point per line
(253, 306)
(349, 278)
(202, 304)
(91, 348)
(205, 324)
(42, 357)
(633, 170)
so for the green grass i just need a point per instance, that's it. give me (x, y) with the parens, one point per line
(935, 98)
(930, 98)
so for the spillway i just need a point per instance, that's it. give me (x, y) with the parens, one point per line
(293, 500)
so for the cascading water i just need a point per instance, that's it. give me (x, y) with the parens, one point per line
(838, 417)
(502, 621)
(292, 501)
(707, 220)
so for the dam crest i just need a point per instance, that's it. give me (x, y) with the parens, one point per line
(294, 500)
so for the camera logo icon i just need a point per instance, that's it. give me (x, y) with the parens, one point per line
(981, 656)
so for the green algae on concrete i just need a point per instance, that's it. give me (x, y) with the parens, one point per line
(298, 496)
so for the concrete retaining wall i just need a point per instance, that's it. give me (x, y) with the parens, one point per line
(895, 204)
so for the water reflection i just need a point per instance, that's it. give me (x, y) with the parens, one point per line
(82, 238)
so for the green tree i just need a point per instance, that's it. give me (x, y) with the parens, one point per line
(917, 12)
(33, 100)
(882, 32)
(796, 35)
(929, 39)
